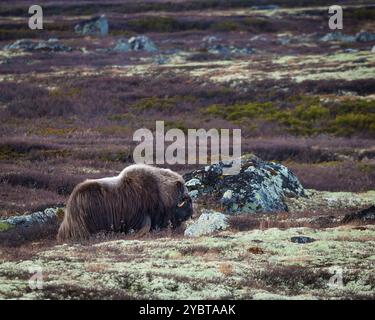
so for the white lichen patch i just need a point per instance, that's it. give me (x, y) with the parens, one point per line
(259, 264)
(323, 200)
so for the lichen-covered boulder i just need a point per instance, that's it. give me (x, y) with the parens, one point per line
(366, 215)
(32, 226)
(142, 43)
(365, 36)
(51, 45)
(40, 217)
(138, 43)
(96, 26)
(230, 50)
(337, 37)
(122, 45)
(260, 186)
(208, 222)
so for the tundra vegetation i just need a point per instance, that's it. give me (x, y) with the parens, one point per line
(70, 103)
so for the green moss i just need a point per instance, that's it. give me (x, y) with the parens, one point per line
(257, 23)
(7, 152)
(112, 156)
(156, 24)
(176, 124)
(305, 115)
(60, 214)
(66, 92)
(239, 112)
(114, 130)
(226, 26)
(13, 34)
(161, 104)
(123, 33)
(121, 117)
(351, 123)
(5, 226)
(361, 13)
(51, 131)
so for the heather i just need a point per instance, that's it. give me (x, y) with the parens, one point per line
(70, 104)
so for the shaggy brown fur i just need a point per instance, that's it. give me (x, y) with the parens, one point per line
(141, 197)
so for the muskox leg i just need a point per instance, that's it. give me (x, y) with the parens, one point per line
(146, 226)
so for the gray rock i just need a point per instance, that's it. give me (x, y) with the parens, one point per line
(227, 198)
(230, 50)
(142, 43)
(95, 26)
(37, 225)
(39, 217)
(365, 36)
(122, 45)
(210, 39)
(194, 194)
(366, 215)
(302, 239)
(162, 59)
(373, 49)
(138, 43)
(208, 222)
(41, 45)
(266, 7)
(193, 183)
(338, 37)
(284, 41)
(350, 50)
(260, 186)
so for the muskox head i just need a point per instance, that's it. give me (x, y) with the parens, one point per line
(183, 209)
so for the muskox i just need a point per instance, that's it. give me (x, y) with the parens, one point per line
(140, 198)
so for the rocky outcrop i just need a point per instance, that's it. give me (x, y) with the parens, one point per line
(266, 7)
(260, 186)
(337, 36)
(142, 43)
(365, 216)
(230, 50)
(52, 45)
(363, 36)
(302, 239)
(97, 26)
(33, 226)
(138, 43)
(210, 39)
(207, 223)
(122, 45)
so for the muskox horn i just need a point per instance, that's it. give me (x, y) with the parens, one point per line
(181, 204)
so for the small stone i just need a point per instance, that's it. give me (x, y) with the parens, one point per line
(28, 45)
(95, 26)
(365, 36)
(210, 39)
(302, 239)
(142, 43)
(122, 46)
(193, 183)
(337, 36)
(194, 194)
(51, 212)
(209, 222)
(366, 215)
(227, 197)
